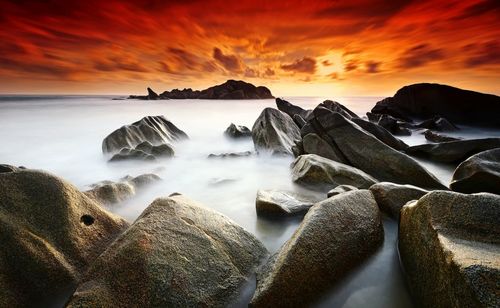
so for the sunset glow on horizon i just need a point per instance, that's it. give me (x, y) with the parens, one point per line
(310, 48)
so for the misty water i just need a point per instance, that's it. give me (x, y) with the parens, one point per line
(63, 135)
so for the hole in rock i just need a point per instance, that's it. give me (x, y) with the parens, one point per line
(87, 220)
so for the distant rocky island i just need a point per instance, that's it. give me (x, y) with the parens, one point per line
(231, 89)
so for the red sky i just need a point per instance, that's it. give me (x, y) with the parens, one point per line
(316, 48)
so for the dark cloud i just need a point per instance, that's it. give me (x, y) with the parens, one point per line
(419, 55)
(304, 65)
(350, 65)
(230, 62)
(373, 67)
(184, 58)
(487, 53)
(269, 72)
(251, 73)
(334, 75)
(326, 63)
(118, 63)
(480, 8)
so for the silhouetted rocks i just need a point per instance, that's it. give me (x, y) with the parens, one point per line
(392, 197)
(336, 235)
(274, 132)
(282, 203)
(436, 137)
(237, 131)
(231, 89)
(453, 151)
(425, 100)
(178, 253)
(50, 233)
(449, 247)
(437, 123)
(479, 173)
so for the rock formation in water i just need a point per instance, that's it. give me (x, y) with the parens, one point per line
(392, 197)
(425, 100)
(237, 131)
(282, 203)
(231, 89)
(479, 173)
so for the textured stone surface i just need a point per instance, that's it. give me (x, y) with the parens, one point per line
(479, 173)
(391, 197)
(282, 203)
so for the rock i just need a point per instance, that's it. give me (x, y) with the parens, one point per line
(152, 94)
(426, 100)
(435, 137)
(50, 232)
(479, 173)
(340, 190)
(231, 155)
(381, 134)
(274, 132)
(437, 123)
(391, 197)
(339, 108)
(291, 109)
(132, 154)
(380, 161)
(335, 236)
(161, 150)
(373, 117)
(237, 131)
(314, 144)
(282, 203)
(388, 122)
(299, 120)
(109, 192)
(298, 148)
(180, 94)
(8, 168)
(321, 174)
(178, 253)
(154, 129)
(453, 151)
(450, 249)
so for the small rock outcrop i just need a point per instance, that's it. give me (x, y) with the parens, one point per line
(274, 132)
(453, 151)
(321, 174)
(425, 100)
(231, 155)
(335, 236)
(109, 192)
(282, 203)
(435, 137)
(178, 253)
(50, 233)
(437, 123)
(479, 173)
(237, 131)
(392, 197)
(449, 245)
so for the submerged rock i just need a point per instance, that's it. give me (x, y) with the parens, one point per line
(178, 253)
(109, 192)
(50, 232)
(231, 155)
(453, 151)
(274, 132)
(435, 137)
(237, 131)
(340, 190)
(321, 174)
(335, 236)
(427, 100)
(392, 197)
(479, 173)
(450, 249)
(282, 203)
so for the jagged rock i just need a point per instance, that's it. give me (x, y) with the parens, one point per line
(426, 100)
(237, 131)
(340, 190)
(178, 253)
(450, 249)
(339, 108)
(381, 134)
(282, 203)
(335, 236)
(109, 192)
(321, 174)
(154, 129)
(298, 148)
(161, 150)
(392, 197)
(50, 232)
(435, 137)
(299, 120)
(291, 109)
(314, 144)
(180, 94)
(479, 173)
(274, 131)
(231, 155)
(453, 151)
(152, 94)
(380, 161)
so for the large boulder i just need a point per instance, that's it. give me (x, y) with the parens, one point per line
(154, 129)
(237, 131)
(426, 100)
(365, 152)
(449, 245)
(274, 132)
(479, 173)
(291, 109)
(381, 134)
(453, 151)
(314, 144)
(177, 253)
(335, 236)
(321, 174)
(109, 192)
(50, 232)
(392, 197)
(282, 203)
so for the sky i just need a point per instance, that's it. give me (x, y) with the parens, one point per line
(300, 48)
